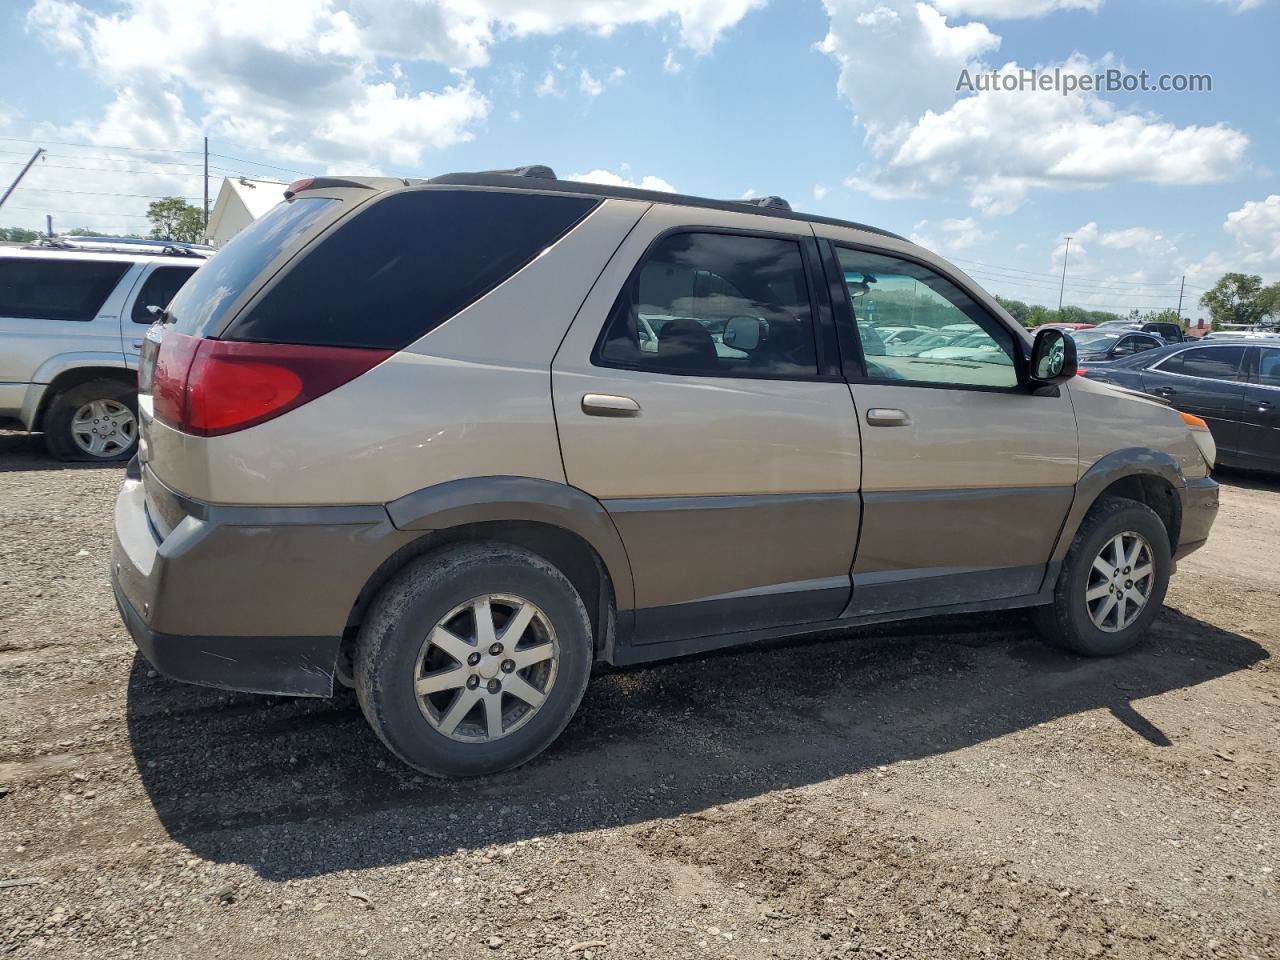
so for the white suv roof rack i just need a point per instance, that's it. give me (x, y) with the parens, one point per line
(130, 245)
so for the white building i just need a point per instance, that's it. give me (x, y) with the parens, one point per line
(240, 202)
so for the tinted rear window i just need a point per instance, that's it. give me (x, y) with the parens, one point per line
(202, 305)
(406, 264)
(56, 289)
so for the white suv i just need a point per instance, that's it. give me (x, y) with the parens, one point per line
(73, 311)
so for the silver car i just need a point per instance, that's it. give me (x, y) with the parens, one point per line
(427, 439)
(73, 311)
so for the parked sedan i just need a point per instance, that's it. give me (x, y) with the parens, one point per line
(1103, 346)
(1234, 387)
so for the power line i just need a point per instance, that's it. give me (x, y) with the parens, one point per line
(103, 146)
(1053, 279)
(79, 213)
(259, 163)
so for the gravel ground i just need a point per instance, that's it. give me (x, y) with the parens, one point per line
(948, 788)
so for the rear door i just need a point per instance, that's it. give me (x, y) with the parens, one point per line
(1207, 381)
(1260, 425)
(698, 397)
(967, 475)
(155, 288)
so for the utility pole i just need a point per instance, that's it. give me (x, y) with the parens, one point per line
(48, 224)
(206, 183)
(1180, 290)
(1063, 286)
(21, 173)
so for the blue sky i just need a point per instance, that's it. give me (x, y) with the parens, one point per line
(845, 107)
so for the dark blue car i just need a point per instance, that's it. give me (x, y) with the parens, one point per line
(1235, 387)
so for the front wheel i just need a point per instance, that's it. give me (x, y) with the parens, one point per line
(1112, 583)
(473, 659)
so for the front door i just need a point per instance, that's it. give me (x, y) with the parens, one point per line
(967, 476)
(1207, 381)
(696, 400)
(156, 288)
(1260, 424)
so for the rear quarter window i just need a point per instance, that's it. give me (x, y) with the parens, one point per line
(405, 264)
(56, 289)
(239, 268)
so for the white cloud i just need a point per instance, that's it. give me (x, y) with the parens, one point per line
(949, 236)
(611, 179)
(1255, 228)
(820, 192)
(670, 64)
(899, 66)
(589, 84)
(1240, 6)
(1012, 9)
(310, 79)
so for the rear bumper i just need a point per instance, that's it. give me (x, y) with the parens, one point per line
(292, 666)
(1199, 509)
(254, 599)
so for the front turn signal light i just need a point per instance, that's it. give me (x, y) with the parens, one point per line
(1191, 420)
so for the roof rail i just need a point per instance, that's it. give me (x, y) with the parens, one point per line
(539, 171)
(136, 246)
(769, 203)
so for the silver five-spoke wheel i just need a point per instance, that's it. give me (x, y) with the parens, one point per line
(1120, 581)
(486, 667)
(104, 428)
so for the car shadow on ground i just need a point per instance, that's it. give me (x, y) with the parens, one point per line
(296, 787)
(26, 451)
(1248, 479)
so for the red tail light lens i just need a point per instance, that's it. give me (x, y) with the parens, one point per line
(212, 387)
(1082, 371)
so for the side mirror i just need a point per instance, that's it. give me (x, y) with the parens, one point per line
(742, 333)
(1053, 357)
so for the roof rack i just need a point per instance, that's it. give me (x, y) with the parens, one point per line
(131, 245)
(537, 171)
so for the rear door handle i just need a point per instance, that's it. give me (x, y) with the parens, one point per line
(609, 405)
(1264, 405)
(138, 344)
(888, 417)
(1165, 391)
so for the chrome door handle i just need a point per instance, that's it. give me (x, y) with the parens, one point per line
(609, 405)
(888, 417)
(138, 344)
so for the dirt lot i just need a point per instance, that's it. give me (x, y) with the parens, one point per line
(950, 788)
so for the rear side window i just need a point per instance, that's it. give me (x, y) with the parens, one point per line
(406, 264)
(1269, 368)
(157, 290)
(714, 304)
(1212, 363)
(201, 306)
(56, 289)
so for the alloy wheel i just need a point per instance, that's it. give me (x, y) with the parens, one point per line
(1120, 582)
(486, 668)
(104, 428)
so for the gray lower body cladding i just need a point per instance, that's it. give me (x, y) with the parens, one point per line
(244, 598)
(1199, 509)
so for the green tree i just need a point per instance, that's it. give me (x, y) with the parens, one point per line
(174, 219)
(1017, 309)
(18, 234)
(1235, 299)
(1269, 300)
(1168, 315)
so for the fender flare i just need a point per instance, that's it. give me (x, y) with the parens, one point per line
(1127, 462)
(54, 367)
(489, 499)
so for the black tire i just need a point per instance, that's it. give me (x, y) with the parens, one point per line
(411, 604)
(1066, 622)
(58, 439)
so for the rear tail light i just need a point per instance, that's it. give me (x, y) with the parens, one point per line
(1082, 371)
(212, 387)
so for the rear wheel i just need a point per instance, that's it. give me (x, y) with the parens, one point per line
(95, 421)
(1112, 583)
(473, 659)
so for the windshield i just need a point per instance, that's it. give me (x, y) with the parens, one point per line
(204, 300)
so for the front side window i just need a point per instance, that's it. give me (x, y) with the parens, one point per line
(51, 289)
(714, 304)
(1211, 363)
(157, 290)
(962, 345)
